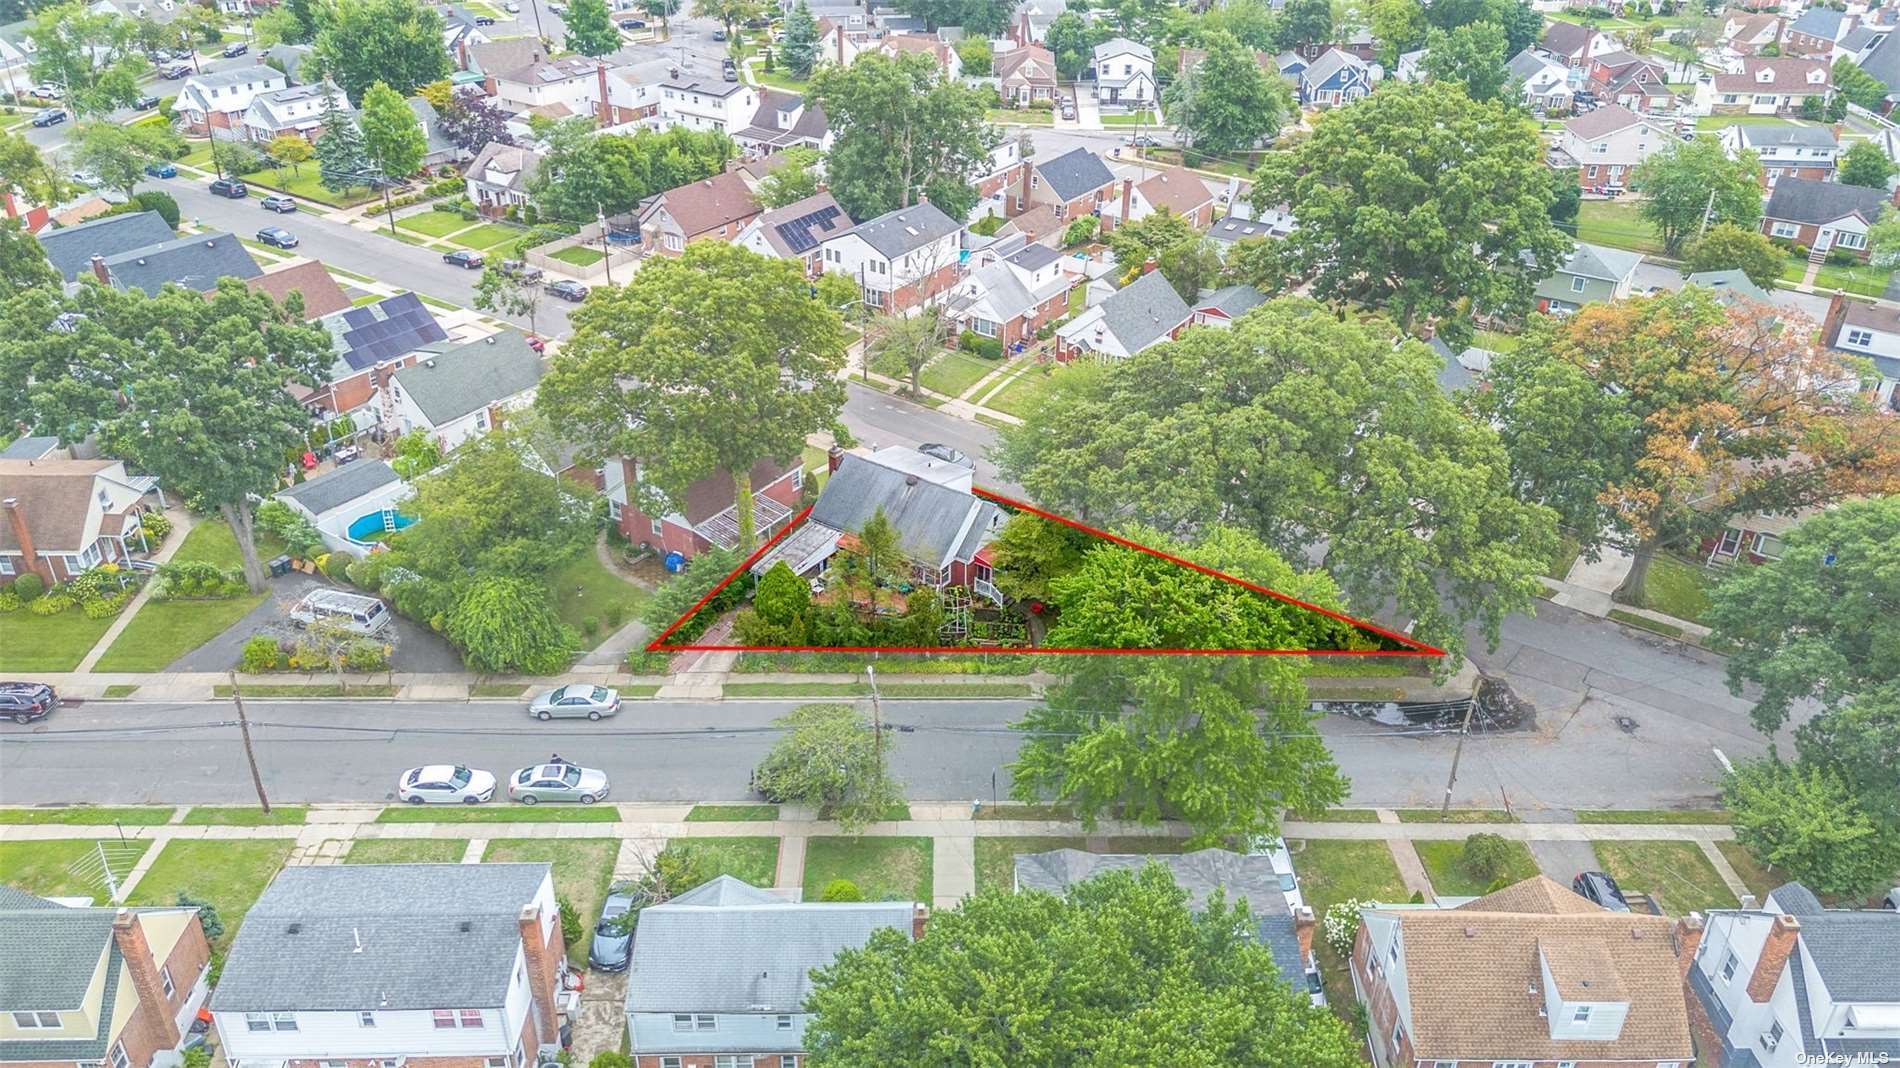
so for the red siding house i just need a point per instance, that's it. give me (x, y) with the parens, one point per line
(707, 516)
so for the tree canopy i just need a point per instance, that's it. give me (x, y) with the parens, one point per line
(1227, 103)
(1857, 85)
(585, 173)
(828, 756)
(470, 122)
(901, 132)
(799, 50)
(396, 42)
(1694, 180)
(119, 154)
(1072, 42)
(590, 28)
(1470, 56)
(23, 262)
(1726, 246)
(1866, 165)
(93, 56)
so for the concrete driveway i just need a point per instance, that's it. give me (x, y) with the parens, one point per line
(417, 647)
(1563, 860)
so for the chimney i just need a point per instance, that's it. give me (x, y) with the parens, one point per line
(99, 271)
(17, 517)
(600, 79)
(1303, 930)
(1688, 937)
(541, 954)
(1148, 265)
(1028, 169)
(1774, 954)
(1128, 196)
(461, 52)
(158, 1019)
(917, 921)
(834, 456)
(1831, 322)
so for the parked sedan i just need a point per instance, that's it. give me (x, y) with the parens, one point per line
(278, 203)
(1599, 887)
(277, 236)
(612, 947)
(558, 782)
(49, 117)
(177, 71)
(145, 103)
(521, 271)
(574, 702)
(24, 702)
(161, 170)
(445, 784)
(567, 289)
(463, 258)
(633, 24)
(235, 49)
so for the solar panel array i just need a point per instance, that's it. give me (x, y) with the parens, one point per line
(403, 326)
(798, 232)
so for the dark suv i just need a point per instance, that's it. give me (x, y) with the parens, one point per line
(1599, 887)
(230, 189)
(24, 702)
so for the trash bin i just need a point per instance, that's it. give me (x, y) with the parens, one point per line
(280, 565)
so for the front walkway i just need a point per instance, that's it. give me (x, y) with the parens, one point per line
(182, 521)
(1588, 586)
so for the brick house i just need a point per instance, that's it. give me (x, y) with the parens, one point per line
(1177, 190)
(65, 517)
(1531, 976)
(372, 343)
(1765, 87)
(424, 965)
(1746, 34)
(706, 516)
(1577, 44)
(214, 103)
(1630, 80)
(1010, 297)
(1822, 215)
(1005, 173)
(1816, 31)
(901, 259)
(720, 974)
(1872, 332)
(95, 986)
(1027, 74)
(1074, 184)
(714, 209)
(1786, 150)
(1604, 145)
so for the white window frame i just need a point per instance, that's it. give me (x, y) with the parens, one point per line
(1580, 1015)
(1729, 966)
(1773, 1036)
(366, 1018)
(257, 1021)
(1786, 229)
(29, 1021)
(1578, 283)
(119, 1059)
(784, 1022)
(1850, 240)
(1731, 541)
(1859, 336)
(669, 1062)
(165, 980)
(1762, 538)
(283, 1021)
(6, 565)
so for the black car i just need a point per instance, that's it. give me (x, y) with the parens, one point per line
(24, 702)
(1599, 887)
(235, 49)
(177, 71)
(567, 289)
(633, 24)
(230, 188)
(277, 236)
(520, 272)
(463, 258)
(145, 103)
(484, 20)
(49, 117)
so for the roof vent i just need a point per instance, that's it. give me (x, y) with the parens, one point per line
(356, 937)
(1636, 935)
(430, 362)
(1471, 932)
(465, 926)
(208, 244)
(295, 928)
(910, 480)
(490, 339)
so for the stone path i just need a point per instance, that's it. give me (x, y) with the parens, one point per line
(1411, 869)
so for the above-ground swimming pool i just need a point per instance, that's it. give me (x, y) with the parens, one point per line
(369, 526)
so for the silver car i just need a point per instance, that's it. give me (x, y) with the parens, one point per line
(574, 701)
(557, 782)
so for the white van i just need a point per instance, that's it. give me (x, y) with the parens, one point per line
(353, 611)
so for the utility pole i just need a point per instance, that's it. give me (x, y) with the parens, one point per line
(606, 254)
(1707, 209)
(244, 728)
(877, 712)
(1445, 809)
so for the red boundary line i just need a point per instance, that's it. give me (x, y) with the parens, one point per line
(1414, 647)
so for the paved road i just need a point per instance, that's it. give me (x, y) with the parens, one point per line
(878, 419)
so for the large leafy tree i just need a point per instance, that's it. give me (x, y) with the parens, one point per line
(829, 756)
(799, 50)
(22, 167)
(396, 42)
(1227, 103)
(1119, 970)
(1470, 56)
(791, 181)
(590, 28)
(1522, 24)
(393, 140)
(491, 510)
(1307, 431)
(470, 122)
(186, 388)
(1398, 26)
(1858, 86)
(506, 624)
(902, 132)
(728, 13)
(1306, 22)
(704, 364)
(119, 154)
(1648, 422)
(1696, 181)
(1727, 246)
(1805, 820)
(1072, 42)
(585, 173)
(1866, 165)
(1251, 22)
(93, 55)
(1420, 200)
(901, 345)
(23, 262)
(505, 294)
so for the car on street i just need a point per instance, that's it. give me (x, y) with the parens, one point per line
(278, 203)
(1142, 141)
(161, 169)
(520, 271)
(177, 71)
(484, 20)
(511, 7)
(558, 782)
(633, 24)
(45, 91)
(24, 702)
(732, 74)
(445, 784)
(575, 701)
(947, 454)
(230, 189)
(159, 55)
(277, 236)
(87, 179)
(719, 35)
(567, 289)
(463, 258)
(1597, 886)
(145, 103)
(536, 343)
(558, 9)
(1068, 109)
(612, 946)
(49, 117)
(235, 49)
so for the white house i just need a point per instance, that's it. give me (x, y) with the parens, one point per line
(350, 502)
(1786, 149)
(1549, 85)
(707, 105)
(214, 103)
(1871, 331)
(901, 259)
(1791, 983)
(466, 390)
(296, 110)
(557, 88)
(498, 178)
(421, 965)
(1124, 74)
(1607, 143)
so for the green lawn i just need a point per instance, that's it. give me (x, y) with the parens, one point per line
(752, 859)
(1859, 278)
(406, 851)
(245, 816)
(1022, 393)
(1496, 342)
(142, 815)
(1023, 116)
(1138, 118)
(953, 372)
(1614, 223)
(120, 690)
(433, 223)
(497, 689)
(1652, 815)
(1706, 123)
(47, 643)
(45, 868)
(1758, 877)
(1335, 870)
(944, 690)
(199, 156)
(1565, 557)
(1678, 587)
(498, 813)
(1444, 862)
(582, 869)
(229, 874)
(1675, 872)
(580, 255)
(780, 80)
(731, 813)
(1078, 300)
(163, 631)
(308, 185)
(1456, 815)
(884, 869)
(212, 541)
(1347, 815)
(487, 235)
(585, 589)
(269, 253)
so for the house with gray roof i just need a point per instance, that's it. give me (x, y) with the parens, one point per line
(1124, 73)
(1790, 982)
(1548, 84)
(420, 964)
(1225, 232)
(1012, 296)
(901, 259)
(439, 148)
(72, 249)
(349, 503)
(796, 231)
(298, 110)
(1074, 184)
(1146, 311)
(97, 985)
(463, 391)
(1592, 273)
(195, 262)
(1821, 216)
(721, 974)
(213, 103)
(1220, 307)
(1785, 149)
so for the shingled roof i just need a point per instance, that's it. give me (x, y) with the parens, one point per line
(1809, 200)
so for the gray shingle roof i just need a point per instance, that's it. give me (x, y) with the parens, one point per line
(1596, 261)
(71, 248)
(1726, 283)
(1855, 953)
(1807, 200)
(1819, 22)
(1787, 134)
(931, 519)
(1232, 301)
(1143, 311)
(27, 448)
(1034, 257)
(75, 1049)
(341, 486)
(470, 377)
(195, 262)
(1075, 173)
(1234, 228)
(297, 947)
(66, 947)
(895, 233)
(733, 948)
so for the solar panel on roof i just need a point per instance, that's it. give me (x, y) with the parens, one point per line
(358, 317)
(797, 232)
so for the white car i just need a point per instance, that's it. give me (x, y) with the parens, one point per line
(445, 784)
(45, 91)
(1282, 867)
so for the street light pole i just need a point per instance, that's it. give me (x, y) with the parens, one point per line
(606, 255)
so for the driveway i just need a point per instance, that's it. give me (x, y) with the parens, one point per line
(1563, 860)
(418, 648)
(1088, 114)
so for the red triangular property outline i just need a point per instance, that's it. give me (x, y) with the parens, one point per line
(1412, 646)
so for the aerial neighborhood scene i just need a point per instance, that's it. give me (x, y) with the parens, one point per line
(811, 533)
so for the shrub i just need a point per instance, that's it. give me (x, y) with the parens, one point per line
(161, 202)
(841, 890)
(9, 602)
(260, 655)
(28, 587)
(1487, 856)
(198, 579)
(106, 607)
(298, 536)
(335, 566)
(1341, 926)
(591, 626)
(50, 605)
(616, 614)
(571, 928)
(1418, 897)
(207, 914)
(1841, 257)
(156, 526)
(366, 656)
(1081, 231)
(987, 347)
(197, 1057)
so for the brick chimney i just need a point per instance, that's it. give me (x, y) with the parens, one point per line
(1831, 322)
(157, 1019)
(16, 516)
(1774, 955)
(834, 457)
(542, 954)
(1148, 265)
(1687, 937)
(917, 921)
(1028, 169)
(1303, 924)
(1128, 196)
(99, 271)
(600, 81)
(461, 52)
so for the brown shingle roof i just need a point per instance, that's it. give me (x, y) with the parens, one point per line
(321, 294)
(709, 203)
(1785, 76)
(1536, 894)
(1177, 190)
(56, 498)
(1010, 65)
(1603, 121)
(1035, 224)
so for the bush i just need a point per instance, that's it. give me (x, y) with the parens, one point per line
(156, 526)
(616, 614)
(987, 347)
(571, 928)
(1417, 898)
(1841, 257)
(606, 1058)
(335, 566)
(157, 200)
(1081, 231)
(207, 914)
(9, 602)
(197, 1057)
(50, 605)
(298, 536)
(28, 587)
(366, 656)
(841, 890)
(1487, 856)
(590, 626)
(198, 579)
(260, 655)
(106, 607)
(1341, 926)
